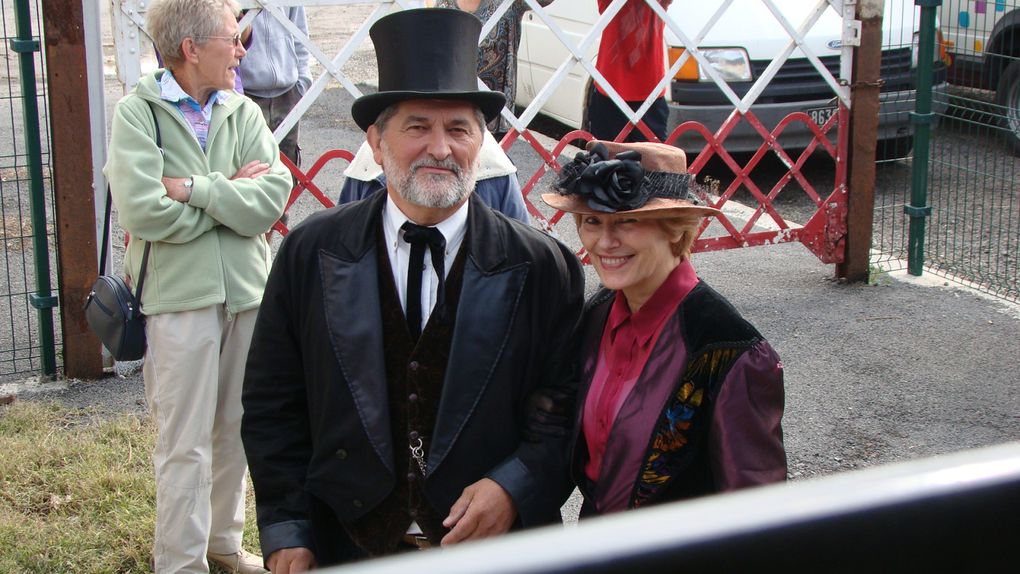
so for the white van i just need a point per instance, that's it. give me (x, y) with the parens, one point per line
(983, 41)
(749, 30)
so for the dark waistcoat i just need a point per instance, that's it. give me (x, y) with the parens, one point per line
(414, 375)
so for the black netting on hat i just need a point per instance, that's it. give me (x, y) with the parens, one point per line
(620, 184)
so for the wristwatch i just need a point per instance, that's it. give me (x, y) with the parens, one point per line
(189, 183)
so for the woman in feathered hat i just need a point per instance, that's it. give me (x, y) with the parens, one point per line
(679, 395)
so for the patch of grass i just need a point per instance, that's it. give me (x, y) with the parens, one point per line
(878, 276)
(77, 492)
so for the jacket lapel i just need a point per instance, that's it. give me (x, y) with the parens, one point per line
(489, 301)
(595, 316)
(350, 294)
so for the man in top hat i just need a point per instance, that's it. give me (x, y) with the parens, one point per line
(410, 379)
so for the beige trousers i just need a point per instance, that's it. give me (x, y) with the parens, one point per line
(193, 371)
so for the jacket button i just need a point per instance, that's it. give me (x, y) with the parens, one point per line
(413, 365)
(357, 503)
(412, 435)
(412, 398)
(411, 477)
(341, 454)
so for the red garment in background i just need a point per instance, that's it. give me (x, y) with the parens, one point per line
(632, 51)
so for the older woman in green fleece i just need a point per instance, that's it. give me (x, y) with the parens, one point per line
(203, 204)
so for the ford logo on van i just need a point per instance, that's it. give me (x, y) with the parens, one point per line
(835, 44)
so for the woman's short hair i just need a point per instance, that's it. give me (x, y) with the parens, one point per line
(169, 22)
(687, 227)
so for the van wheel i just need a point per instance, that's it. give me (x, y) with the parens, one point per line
(585, 122)
(894, 148)
(1008, 96)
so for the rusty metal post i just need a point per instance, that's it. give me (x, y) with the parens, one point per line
(864, 91)
(71, 154)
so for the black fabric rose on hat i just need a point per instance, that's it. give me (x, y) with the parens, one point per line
(608, 185)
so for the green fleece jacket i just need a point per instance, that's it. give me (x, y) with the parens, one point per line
(212, 249)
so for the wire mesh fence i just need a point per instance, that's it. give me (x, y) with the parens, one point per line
(973, 233)
(20, 345)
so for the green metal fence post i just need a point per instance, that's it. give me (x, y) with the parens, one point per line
(922, 118)
(43, 299)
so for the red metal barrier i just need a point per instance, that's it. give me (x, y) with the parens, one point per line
(824, 233)
(303, 182)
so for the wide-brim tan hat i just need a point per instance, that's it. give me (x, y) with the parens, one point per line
(656, 206)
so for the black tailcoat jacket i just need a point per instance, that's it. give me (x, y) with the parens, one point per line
(316, 422)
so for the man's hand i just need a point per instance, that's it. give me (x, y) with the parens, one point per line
(654, 156)
(252, 170)
(291, 561)
(175, 189)
(484, 509)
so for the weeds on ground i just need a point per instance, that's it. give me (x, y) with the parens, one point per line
(77, 492)
(878, 276)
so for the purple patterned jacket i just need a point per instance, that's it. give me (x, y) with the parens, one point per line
(704, 417)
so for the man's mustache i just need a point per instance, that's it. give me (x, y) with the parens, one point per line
(441, 164)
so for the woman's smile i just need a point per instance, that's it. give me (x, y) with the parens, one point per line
(631, 254)
(614, 262)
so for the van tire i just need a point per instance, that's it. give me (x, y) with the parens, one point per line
(1008, 96)
(894, 148)
(585, 121)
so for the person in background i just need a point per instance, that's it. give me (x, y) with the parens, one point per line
(632, 57)
(497, 52)
(245, 42)
(202, 201)
(406, 386)
(276, 72)
(497, 184)
(679, 395)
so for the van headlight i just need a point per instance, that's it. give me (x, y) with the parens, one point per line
(940, 48)
(732, 64)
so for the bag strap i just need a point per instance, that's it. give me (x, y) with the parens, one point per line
(106, 224)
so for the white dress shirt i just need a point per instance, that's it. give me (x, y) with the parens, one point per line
(453, 229)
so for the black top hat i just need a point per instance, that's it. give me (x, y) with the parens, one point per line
(426, 54)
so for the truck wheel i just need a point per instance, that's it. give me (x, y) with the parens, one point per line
(894, 148)
(1008, 96)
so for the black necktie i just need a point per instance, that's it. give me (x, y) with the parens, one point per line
(418, 237)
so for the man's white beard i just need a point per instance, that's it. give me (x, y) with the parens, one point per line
(435, 191)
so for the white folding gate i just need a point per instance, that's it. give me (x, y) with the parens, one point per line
(823, 233)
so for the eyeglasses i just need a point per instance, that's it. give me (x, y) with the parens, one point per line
(235, 39)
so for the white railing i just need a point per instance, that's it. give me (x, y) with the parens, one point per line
(130, 42)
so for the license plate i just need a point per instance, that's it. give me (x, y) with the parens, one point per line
(821, 115)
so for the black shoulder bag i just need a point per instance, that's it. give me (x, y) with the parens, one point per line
(115, 314)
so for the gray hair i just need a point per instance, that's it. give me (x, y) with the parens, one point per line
(385, 116)
(169, 22)
(391, 110)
